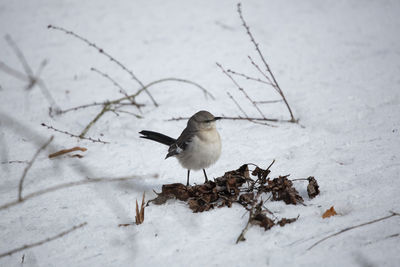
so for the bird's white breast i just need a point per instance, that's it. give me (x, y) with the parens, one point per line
(203, 151)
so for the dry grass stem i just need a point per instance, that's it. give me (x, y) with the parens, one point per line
(139, 218)
(27, 168)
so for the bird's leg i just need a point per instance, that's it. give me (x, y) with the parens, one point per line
(205, 175)
(187, 181)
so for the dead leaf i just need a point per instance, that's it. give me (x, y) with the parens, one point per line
(64, 151)
(312, 187)
(284, 221)
(282, 189)
(263, 221)
(329, 212)
(139, 218)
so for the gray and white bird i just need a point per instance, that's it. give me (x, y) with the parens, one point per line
(198, 146)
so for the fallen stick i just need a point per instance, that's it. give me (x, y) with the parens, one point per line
(8, 253)
(353, 227)
(66, 185)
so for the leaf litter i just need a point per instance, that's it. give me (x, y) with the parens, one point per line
(244, 188)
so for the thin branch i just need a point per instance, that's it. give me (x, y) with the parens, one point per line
(14, 161)
(269, 101)
(237, 104)
(119, 100)
(353, 227)
(19, 55)
(248, 77)
(66, 185)
(13, 72)
(126, 112)
(262, 73)
(274, 81)
(205, 91)
(244, 231)
(241, 89)
(384, 238)
(252, 119)
(21, 181)
(74, 135)
(83, 106)
(111, 58)
(30, 77)
(107, 105)
(9, 253)
(121, 89)
(91, 123)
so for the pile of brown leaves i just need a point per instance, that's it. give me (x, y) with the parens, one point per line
(243, 187)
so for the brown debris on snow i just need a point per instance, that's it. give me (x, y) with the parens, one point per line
(312, 187)
(243, 187)
(234, 186)
(284, 221)
(282, 189)
(65, 151)
(329, 213)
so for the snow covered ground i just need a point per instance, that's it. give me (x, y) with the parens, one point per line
(338, 63)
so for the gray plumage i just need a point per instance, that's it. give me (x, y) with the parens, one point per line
(198, 146)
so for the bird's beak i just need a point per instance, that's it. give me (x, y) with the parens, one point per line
(217, 118)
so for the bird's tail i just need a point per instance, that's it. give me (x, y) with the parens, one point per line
(160, 138)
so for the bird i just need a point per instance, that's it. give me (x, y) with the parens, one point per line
(198, 146)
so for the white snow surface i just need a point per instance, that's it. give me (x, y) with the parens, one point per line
(338, 62)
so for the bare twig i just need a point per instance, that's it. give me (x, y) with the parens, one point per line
(13, 72)
(126, 112)
(171, 79)
(14, 161)
(111, 58)
(384, 238)
(244, 231)
(253, 205)
(121, 89)
(21, 181)
(20, 56)
(252, 119)
(107, 106)
(268, 69)
(247, 77)
(83, 106)
(261, 72)
(31, 77)
(237, 104)
(74, 135)
(242, 90)
(353, 227)
(67, 185)
(8, 253)
(268, 101)
(92, 122)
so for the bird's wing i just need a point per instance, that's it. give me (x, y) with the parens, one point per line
(181, 143)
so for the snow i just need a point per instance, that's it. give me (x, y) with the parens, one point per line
(338, 62)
